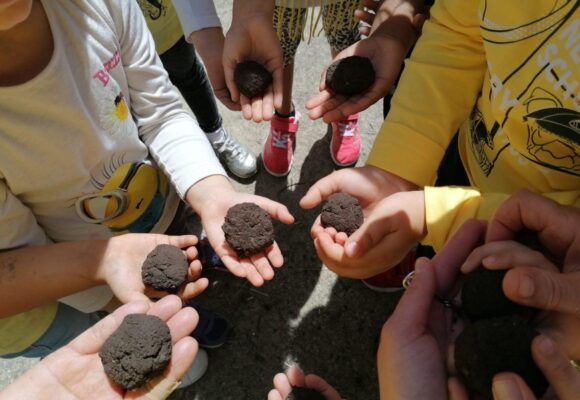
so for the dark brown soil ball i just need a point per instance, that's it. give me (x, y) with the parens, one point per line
(251, 78)
(495, 345)
(165, 268)
(138, 351)
(300, 393)
(342, 212)
(351, 75)
(482, 296)
(248, 229)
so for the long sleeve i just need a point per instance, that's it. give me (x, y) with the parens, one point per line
(18, 226)
(437, 92)
(165, 124)
(196, 15)
(447, 208)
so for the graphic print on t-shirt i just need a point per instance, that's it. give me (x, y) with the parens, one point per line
(537, 86)
(132, 199)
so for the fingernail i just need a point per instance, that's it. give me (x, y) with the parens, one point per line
(420, 268)
(489, 261)
(526, 287)
(351, 249)
(505, 389)
(546, 346)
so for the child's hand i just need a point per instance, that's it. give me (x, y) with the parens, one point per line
(335, 107)
(368, 184)
(121, 263)
(211, 199)
(252, 37)
(295, 377)
(75, 370)
(390, 229)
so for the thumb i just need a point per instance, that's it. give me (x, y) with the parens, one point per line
(543, 289)
(369, 235)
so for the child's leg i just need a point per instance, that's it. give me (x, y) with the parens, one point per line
(341, 31)
(340, 26)
(278, 149)
(67, 325)
(188, 74)
(289, 24)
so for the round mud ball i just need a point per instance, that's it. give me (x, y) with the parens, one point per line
(165, 268)
(300, 393)
(342, 212)
(351, 75)
(248, 229)
(494, 345)
(138, 351)
(482, 296)
(251, 78)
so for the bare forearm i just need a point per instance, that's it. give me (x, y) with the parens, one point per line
(32, 276)
(246, 8)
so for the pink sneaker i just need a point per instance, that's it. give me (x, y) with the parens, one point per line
(345, 142)
(392, 280)
(279, 147)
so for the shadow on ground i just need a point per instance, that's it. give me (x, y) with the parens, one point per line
(306, 315)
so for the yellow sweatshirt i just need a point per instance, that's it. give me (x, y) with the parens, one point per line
(507, 75)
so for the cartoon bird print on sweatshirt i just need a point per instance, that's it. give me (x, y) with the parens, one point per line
(534, 82)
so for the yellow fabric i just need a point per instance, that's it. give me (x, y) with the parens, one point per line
(20, 331)
(163, 23)
(520, 67)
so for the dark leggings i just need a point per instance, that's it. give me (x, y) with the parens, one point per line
(188, 74)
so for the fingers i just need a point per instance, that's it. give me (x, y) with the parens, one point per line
(449, 260)
(183, 241)
(456, 390)
(563, 377)
(277, 84)
(320, 385)
(92, 340)
(229, 67)
(364, 16)
(263, 267)
(321, 190)
(282, 385)
(194, 289)
(275, 209)
(556, 224)
(546, 290)
(182, 323)
(369, 235)
(183, 354)
(504, 255)
(509, 386)
(412, 312)
(296, 377)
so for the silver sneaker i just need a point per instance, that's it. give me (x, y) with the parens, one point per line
(238, 159)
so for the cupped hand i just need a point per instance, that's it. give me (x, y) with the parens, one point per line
(386, 54)
(252, 37)
(211, 199)
(76, 372)
(124, 255)
(387, 234)
(295, 377)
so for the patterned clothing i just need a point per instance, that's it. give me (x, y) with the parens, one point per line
(338, 24)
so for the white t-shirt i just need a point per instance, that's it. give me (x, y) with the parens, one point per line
(80, 142)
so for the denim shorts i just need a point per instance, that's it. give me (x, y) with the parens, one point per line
(67, 325)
